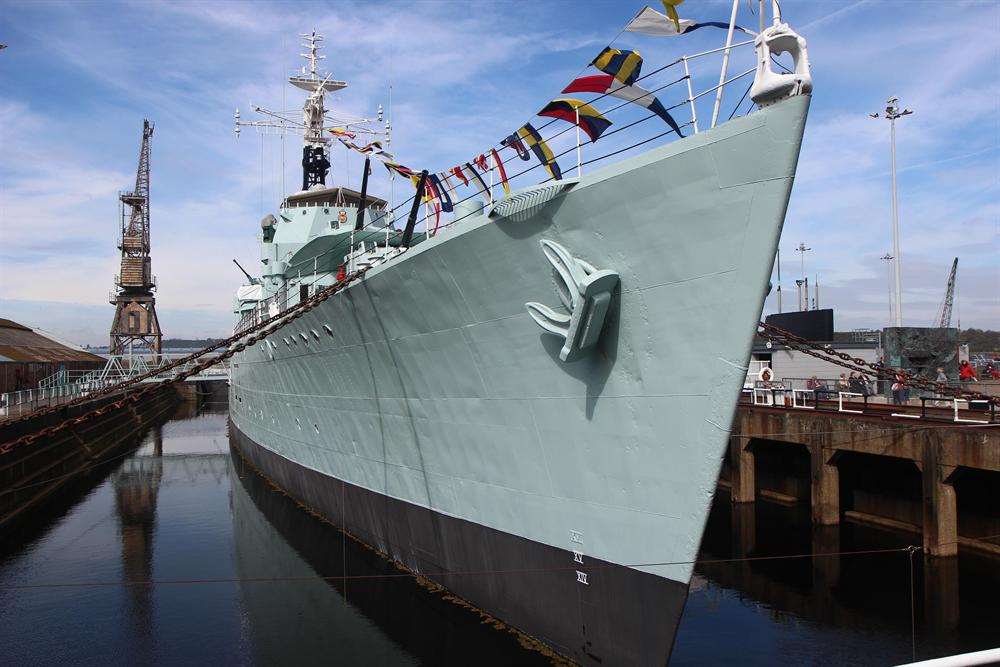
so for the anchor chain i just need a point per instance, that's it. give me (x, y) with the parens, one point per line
(779, 335)
(251, 336)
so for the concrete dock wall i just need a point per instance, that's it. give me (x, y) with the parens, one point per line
(890, 472)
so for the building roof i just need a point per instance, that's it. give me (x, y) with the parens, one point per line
(21, 343)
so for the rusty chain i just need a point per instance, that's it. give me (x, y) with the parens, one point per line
(779, 335)
(251, 336)
(111, 389)
(321, 295)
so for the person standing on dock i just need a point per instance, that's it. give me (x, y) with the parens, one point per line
(900, 390)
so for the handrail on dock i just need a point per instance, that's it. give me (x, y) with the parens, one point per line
(927, 408)
(66, 385)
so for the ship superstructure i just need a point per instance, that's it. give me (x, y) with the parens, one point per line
(296, 242)
(529, 405)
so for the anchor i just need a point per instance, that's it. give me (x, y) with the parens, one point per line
(584, 291)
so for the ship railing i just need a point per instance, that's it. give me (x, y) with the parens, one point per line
(562, 142)
(677, 75)
(674, 86)
(615, 142)
(364, 255)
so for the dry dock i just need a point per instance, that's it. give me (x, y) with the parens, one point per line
(930, 474)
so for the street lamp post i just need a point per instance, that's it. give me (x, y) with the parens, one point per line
(892, 112)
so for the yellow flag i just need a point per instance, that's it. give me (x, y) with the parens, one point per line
(670, 7)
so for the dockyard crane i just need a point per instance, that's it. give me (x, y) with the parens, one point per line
(944, 319)
(135, 322)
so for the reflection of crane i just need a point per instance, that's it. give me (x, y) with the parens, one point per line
(944, 320)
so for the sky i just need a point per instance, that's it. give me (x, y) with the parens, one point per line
(77, 79)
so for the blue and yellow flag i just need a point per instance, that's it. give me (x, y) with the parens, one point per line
(540, 149)
(623, 65)
(579, 113)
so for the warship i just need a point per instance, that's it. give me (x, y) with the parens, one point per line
(529, 405)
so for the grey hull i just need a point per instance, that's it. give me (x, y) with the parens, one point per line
(436, 388)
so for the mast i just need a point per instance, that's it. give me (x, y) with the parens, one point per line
(315, 156)
(315, 121)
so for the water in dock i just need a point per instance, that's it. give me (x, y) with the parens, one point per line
(229, 570)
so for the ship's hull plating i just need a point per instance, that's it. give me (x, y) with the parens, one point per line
(439, 424)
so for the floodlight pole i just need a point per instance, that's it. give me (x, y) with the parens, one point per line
(887, 258)
(892, 112)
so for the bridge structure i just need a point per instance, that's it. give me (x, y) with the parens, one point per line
(66, 385)
(929, 448)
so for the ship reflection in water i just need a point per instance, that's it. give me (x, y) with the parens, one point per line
(243, 575)
(340, 601)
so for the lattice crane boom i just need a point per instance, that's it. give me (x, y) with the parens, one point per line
(944, 320)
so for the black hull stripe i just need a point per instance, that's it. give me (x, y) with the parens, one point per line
(619, 617)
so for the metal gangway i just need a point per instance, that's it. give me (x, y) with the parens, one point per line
(65, 385)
